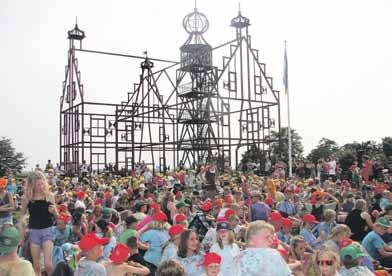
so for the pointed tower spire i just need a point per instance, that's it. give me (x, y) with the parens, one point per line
(76, 34)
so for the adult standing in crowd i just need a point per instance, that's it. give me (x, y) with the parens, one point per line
(39, 202)
(359, 220)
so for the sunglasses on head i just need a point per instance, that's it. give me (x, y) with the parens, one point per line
(325, 262)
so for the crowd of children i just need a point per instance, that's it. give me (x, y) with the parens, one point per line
(194, 223)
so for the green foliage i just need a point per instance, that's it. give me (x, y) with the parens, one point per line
(253, 155)
(280, 150)
(387, 146)
(346, 161)
(10, 161)
(325, 148)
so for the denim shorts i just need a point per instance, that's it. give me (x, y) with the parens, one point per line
(39, 236)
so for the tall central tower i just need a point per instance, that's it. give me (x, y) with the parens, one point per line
(196, 91)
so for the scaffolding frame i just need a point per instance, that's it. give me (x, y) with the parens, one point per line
(182, 114)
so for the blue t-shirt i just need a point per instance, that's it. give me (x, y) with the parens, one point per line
(283, 237)
(11, 188)
(372, 242)
(156, 239)
(62, 236)
(287, 207)
(323, 227)
(107, 249)
(308, 237)
(192, 265)
(170, 252)
(260, 211)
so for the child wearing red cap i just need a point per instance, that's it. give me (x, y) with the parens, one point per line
(275, 219)
(284, 234)
(211, 263)
(118, 266)
(181, 219)
(170, 248)
(156, 237)
(309, 221)
(62, 230)
(92, 249)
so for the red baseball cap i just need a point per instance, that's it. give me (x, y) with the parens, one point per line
(178, 195)
(229, 213)
(3, 182)
(108, 195)
(318, 194)
(80, 194)
(381, 273)
(155, 206)
(310, 218)
(64, 218)
(179, 218)
(212, 258)
(63, 207)
(221, 219)
(206, 206)
(119, 254)
(176, 230)
(90, 241)
(275, 215)
(287, 223)
(160, 216)
(345, 242)
(269, 200)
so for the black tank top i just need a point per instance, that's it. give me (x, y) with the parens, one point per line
(357, 225)
(40, 217)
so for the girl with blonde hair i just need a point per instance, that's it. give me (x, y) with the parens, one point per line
(297, 253)
(39, 202)
(226, 247)
(326, 262)
(156, 237)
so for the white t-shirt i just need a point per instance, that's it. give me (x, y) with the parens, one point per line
(332, 167)
(229, 255)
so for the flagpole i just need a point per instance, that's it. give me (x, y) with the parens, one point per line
(286, 82)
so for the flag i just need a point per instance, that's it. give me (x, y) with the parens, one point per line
(285, 70)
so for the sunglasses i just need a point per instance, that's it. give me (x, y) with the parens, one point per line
(325, 262)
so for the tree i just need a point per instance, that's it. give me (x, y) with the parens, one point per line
(252, 155)
(325, 148)
(387, 146)
(280, 150)
(9, 159)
